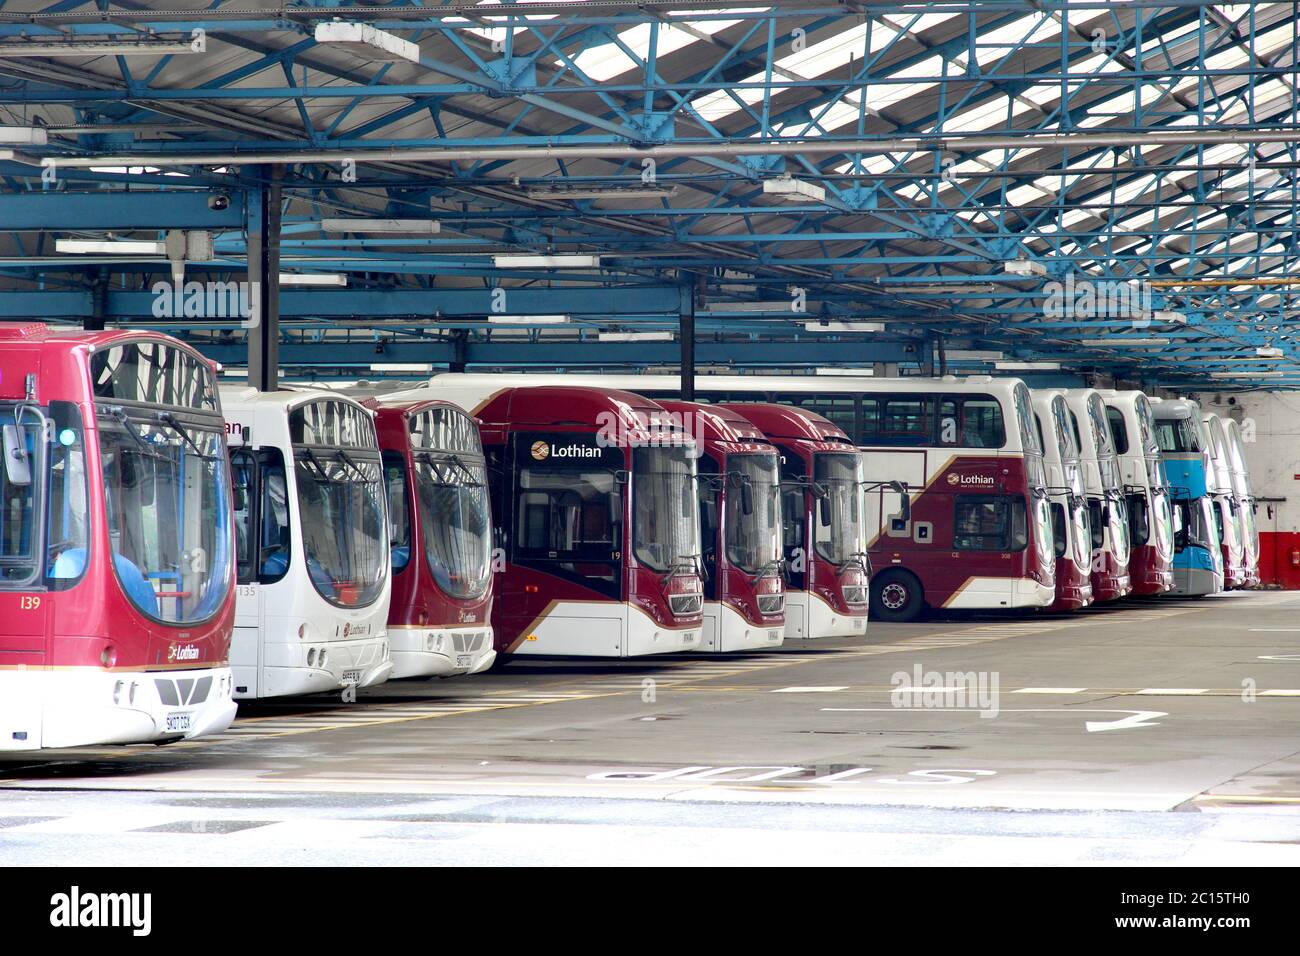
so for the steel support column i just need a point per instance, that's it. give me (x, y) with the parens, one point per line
(264, 280)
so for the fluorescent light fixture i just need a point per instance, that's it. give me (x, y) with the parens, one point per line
(1166, 316)
(1024, 267)
(1269, 351)
(1245, 374)
(789, 189)
(312, 279)
(528, 319)
(780, 305)
(852, 372)
(80, 47)
(111, 247)
(1120, 341)
(833, 326)
(595, 192)
(365, 40)
(23, 136)
(545, 262)
(1027, 366)
(971, 355)
(635, 336)
(14, 156)
(427, 227)
(235, 372)
(421, 367)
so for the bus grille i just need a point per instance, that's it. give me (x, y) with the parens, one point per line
(183, 691)
(684, 605)
(467, 643)
(855, 595)
(771, 603)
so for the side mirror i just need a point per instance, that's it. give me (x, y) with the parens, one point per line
(824, 511)
(688, 500)
(904, 501)
(18, 463)
(746, 498)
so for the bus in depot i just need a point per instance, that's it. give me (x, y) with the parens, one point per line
(1189, 472)
(116, 541)
(1107, 507)
(1071, 534)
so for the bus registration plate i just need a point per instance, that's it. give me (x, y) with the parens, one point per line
(352, 676)
(179, 721)
(464, 660)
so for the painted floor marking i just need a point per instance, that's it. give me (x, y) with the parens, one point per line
(1050, 690)
(807, 690)
(1173, 691)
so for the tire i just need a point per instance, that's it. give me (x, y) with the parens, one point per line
(896, 597)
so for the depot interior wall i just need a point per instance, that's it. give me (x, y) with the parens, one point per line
(1270, 426)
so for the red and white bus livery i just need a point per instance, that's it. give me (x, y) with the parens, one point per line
(440, 539)
(1107, 509)
(596, 506)
(314, 585)
(1146, 495)
(827, 571)
(740, 529)
(116, 547)
(1070, 532)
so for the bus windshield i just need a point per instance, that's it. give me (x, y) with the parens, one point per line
(753, 539)
(54, 504)
(455, 523)
(665, 524)
(168, 514)
(345, 536)
(838, 528)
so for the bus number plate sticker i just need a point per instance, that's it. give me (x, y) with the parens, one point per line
(464, 660)
(178, 721)
(352, 677)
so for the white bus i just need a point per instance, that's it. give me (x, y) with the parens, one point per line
(312, 543)
(1227, 509)
(1240, 476)
(1070, 528)
(1107, 510)
(1150, 517)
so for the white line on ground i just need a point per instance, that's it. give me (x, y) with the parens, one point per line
(1050, 690)
(1173, 691)
(808, 690)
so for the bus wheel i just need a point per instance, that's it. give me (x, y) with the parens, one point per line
(896, 597)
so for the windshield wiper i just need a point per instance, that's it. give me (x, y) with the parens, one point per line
(434, 459)
(347, 459)
(321, 474)
(168, 419)
(118, 413)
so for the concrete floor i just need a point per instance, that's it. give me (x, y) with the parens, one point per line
(1105, 723)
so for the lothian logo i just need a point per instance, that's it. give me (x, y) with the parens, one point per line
(541, 450)
(182, 652)
(955, 479)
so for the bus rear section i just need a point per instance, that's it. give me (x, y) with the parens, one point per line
(440, 539)
(116, 549)
(1227, 507)
(1071, 535)
(1188, 469)
(827, 569)
(597, 518)
(314, 583)
(740, 528)
(1146, 497)
(1107, 507)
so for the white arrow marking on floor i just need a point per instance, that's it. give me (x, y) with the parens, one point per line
(1136, 718)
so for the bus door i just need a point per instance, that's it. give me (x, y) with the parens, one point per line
(263, 549)
(24, 606)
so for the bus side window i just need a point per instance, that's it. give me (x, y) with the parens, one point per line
(242, 471)
(1058, 528)
(399, 512)
(273, 504)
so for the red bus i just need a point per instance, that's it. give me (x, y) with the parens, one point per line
(440, 535)
(595, 508)
(824, 531)
(740, 528)
(116, 541)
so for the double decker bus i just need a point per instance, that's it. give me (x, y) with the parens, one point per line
(1240, 477)
(1107, 508)
(440, 539)
(1071, 533)
(116, 546)
(827, 570)
(740, 529)
(313, 573)
(1150, 518)
(594, 497)
(1227, 509)
(1189, 472)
